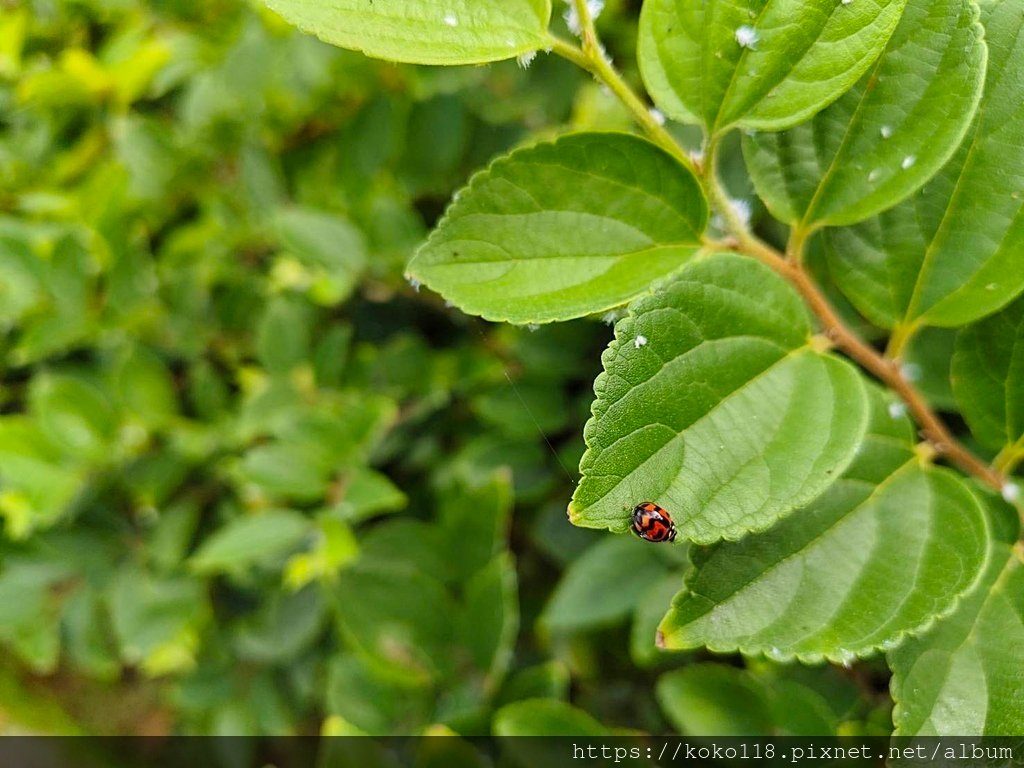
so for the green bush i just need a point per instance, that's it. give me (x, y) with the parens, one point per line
(256, 478)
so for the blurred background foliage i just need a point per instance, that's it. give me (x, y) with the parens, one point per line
(251, 481)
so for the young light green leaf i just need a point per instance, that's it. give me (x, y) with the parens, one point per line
(905, 539)
(955, 252)
(146, 388)
(425, 31)
(764, 64)
(564, 229)
(251, 539)
(889, 134)
(714, 405)
(963, 677)
(988, 380)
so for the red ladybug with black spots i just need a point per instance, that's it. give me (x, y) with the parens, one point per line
(652, 523)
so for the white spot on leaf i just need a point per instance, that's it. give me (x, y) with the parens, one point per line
(886, 131)
(658, 115)
(451, 20)
(524, 60)
(640, 341)
(910, 371)
(746, 36)
(908, 162)
(897, 410)
(1011, 493)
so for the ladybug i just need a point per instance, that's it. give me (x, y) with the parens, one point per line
(652, 523)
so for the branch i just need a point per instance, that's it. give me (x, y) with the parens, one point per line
(591, 57)
(886, 370)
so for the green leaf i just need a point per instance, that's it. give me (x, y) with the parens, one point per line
(288, 623)
(489, 620)
(372, 702)
(475, 521)
(564, 229)
(283, 335)
(603, 586)
(328, 247)
(150, 613)
(29, 611)
(369, 493)
(74, 413)
(889, 134)
(146, 388)
(715, 700)
(399, 618)
(549, 680)
(650, 610)
(765, 64)
(714, 405)
(904, 539)
(249, 540)
(963, 677)
(954, 252)
(544, 717)
(286, 469)
(423, 31)
(988, 380)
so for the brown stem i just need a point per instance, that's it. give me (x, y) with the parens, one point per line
(788, 265)
(888, 372)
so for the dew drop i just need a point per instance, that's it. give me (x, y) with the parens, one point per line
(886, 131)
(910, 371)
(1011, 493)
(908, 162)
(657, 115)
(746, 36)
(897, 410)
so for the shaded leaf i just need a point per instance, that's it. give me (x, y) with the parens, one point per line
(988, 380)
(603, 585)
(715, 700)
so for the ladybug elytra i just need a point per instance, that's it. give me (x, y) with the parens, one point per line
(652, 523)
